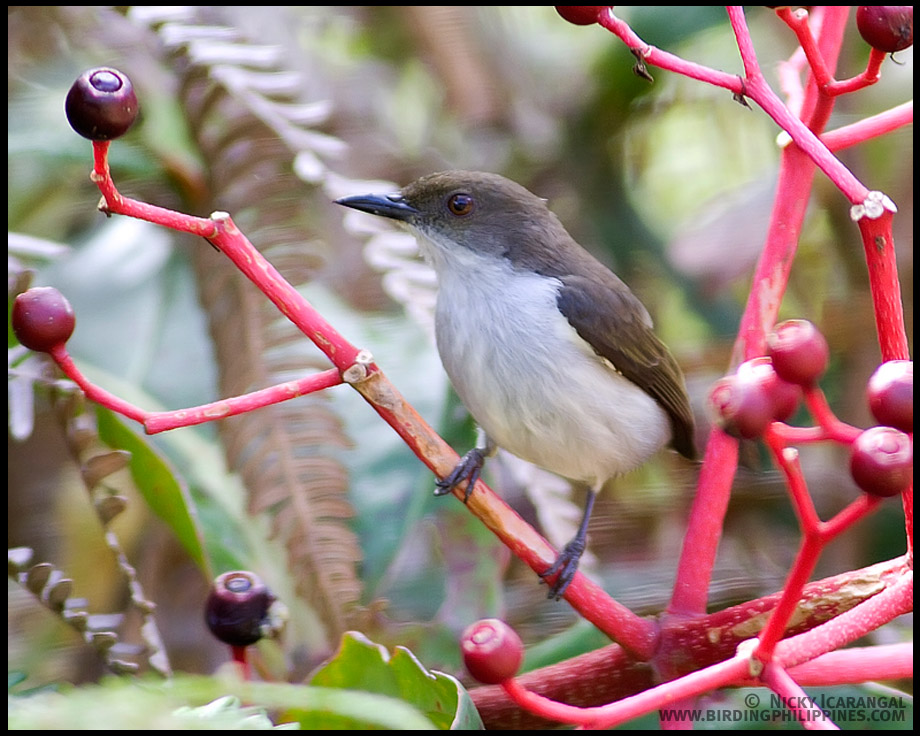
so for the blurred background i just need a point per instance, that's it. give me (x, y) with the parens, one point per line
(272, 112)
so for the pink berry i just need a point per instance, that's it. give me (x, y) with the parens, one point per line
(784, 396)
(888, 28)
(492, 651)
(740, 408)
(882, 461)
(42, 318)
(891, 394)
(799, 352)
(745, 403)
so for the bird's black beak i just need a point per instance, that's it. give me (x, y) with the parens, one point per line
(393, 206)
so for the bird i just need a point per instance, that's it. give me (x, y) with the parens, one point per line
(551, 353)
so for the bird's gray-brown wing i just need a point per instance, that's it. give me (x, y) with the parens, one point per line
(630, 345)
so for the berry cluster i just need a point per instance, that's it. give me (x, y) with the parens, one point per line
(768, 389)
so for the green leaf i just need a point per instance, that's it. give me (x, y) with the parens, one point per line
(360, 664)
(210, 703)
(160, 486)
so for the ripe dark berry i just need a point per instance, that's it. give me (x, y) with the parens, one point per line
(882, 461)
(42, 318)
(236, 610)
(891, 394)
(492, 651)
(799, 352)
(888, 28)
(101, 104)
(580, 15)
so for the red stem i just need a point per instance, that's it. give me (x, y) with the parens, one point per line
(871, 127)
(816, 536)
(894, 599)
(160, 421)
(857, 665)
(239, 655)
(796, 700)
(704, 527)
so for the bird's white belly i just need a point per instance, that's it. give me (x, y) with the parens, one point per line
(534, 386)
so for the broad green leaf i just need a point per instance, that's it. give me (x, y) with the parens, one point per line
(360, 664)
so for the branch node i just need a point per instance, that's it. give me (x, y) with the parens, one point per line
(640, 69)
(872, 207)
(748, 649)
(358, 370)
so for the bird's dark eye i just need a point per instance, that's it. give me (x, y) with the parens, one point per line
(460, 204)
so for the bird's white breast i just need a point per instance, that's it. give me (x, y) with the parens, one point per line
(527, 377)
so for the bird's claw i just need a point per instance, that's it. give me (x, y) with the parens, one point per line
(566, 565)
(469, 469)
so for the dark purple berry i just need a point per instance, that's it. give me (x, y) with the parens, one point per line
(891, 394)
(42, 318)
(101, 104)
(580, 15)
(237, 608)
(882, 461)
(492, 651)
(888, 28)
(798, 351)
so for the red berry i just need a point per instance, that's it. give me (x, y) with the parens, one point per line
(236, 610)
(882, 461)
(741, 408)
(888, 28)
(891, 394)
(42, 318)
(580, 15)
(784, 396)
(492, 651)
(744, 404)
(101, 104)
(799, 352)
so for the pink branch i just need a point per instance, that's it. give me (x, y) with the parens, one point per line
(704, 527)
(795, 699)
(894, 599)
(857, 664)
(220, 231)
(871, 127)
(160, 421)
(656, 698)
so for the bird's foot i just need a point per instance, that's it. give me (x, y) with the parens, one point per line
(469, 469)
(566, 565)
